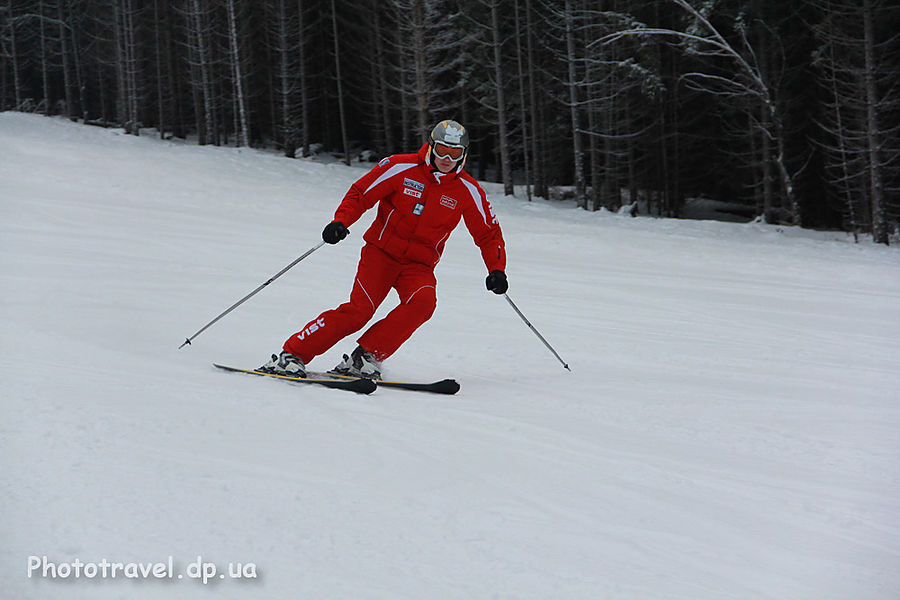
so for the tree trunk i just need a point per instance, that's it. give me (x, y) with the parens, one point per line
(577, 151)
(304, 80)
(842, 144)
(592, 201)
(205, 78)
(405, 126)
(17, 82)
(523, 116)
(501, 102)
(160, 93)
(244, 134)
(540, 188)
(121, 86)
(45, 68)
(79, 77)
(876, 189)
(64, 47)
(288, 142)
(381, 82)
(174, 83)
(131, 66)
(340, 88)
(421, 92)
(766, 164)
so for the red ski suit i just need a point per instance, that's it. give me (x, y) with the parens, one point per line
(418, 208)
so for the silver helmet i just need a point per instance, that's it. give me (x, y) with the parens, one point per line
(450, 140)
(451, 133)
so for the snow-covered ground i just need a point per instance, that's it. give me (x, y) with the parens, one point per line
(730, 430)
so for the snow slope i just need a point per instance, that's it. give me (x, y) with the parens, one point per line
(729, 430)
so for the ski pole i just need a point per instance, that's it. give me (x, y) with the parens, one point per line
(251, 294)
(536, 332)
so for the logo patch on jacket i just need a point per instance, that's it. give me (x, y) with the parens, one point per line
(448, 202)
(413, 193)
(384, 161)
(413, 184)
(418, 209)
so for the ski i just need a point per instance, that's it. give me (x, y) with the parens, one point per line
(444, 386)
(353, 384)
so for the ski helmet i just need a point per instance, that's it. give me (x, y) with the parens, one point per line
(447, 136)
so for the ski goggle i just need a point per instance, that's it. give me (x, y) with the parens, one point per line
(442, 150)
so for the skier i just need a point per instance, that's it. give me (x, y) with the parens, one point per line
(421, 198)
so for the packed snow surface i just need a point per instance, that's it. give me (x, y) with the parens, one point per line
(730, 428)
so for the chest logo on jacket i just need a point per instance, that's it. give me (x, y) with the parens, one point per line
(448, 202)
(412, 192)
(412, 183)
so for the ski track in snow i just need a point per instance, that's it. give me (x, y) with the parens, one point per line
(729, 430)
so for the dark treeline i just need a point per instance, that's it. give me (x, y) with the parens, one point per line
(790, 108)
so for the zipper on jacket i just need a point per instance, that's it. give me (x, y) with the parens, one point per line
(436, 247)
(385, 224)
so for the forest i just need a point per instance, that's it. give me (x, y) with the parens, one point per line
(789, 110)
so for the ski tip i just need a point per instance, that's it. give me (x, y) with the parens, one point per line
(447, 386)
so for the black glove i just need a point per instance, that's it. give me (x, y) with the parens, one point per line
(496, 282)
(334, 232)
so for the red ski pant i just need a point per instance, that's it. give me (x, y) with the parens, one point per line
(376, 275)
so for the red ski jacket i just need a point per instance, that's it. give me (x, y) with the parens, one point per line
(418, 208)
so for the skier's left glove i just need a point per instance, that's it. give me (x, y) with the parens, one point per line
(496, 282)
(334, 232)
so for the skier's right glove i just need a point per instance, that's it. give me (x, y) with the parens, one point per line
(334, 232)
(496, 282)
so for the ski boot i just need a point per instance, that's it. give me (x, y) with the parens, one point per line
(285, 364)
(360, 363)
